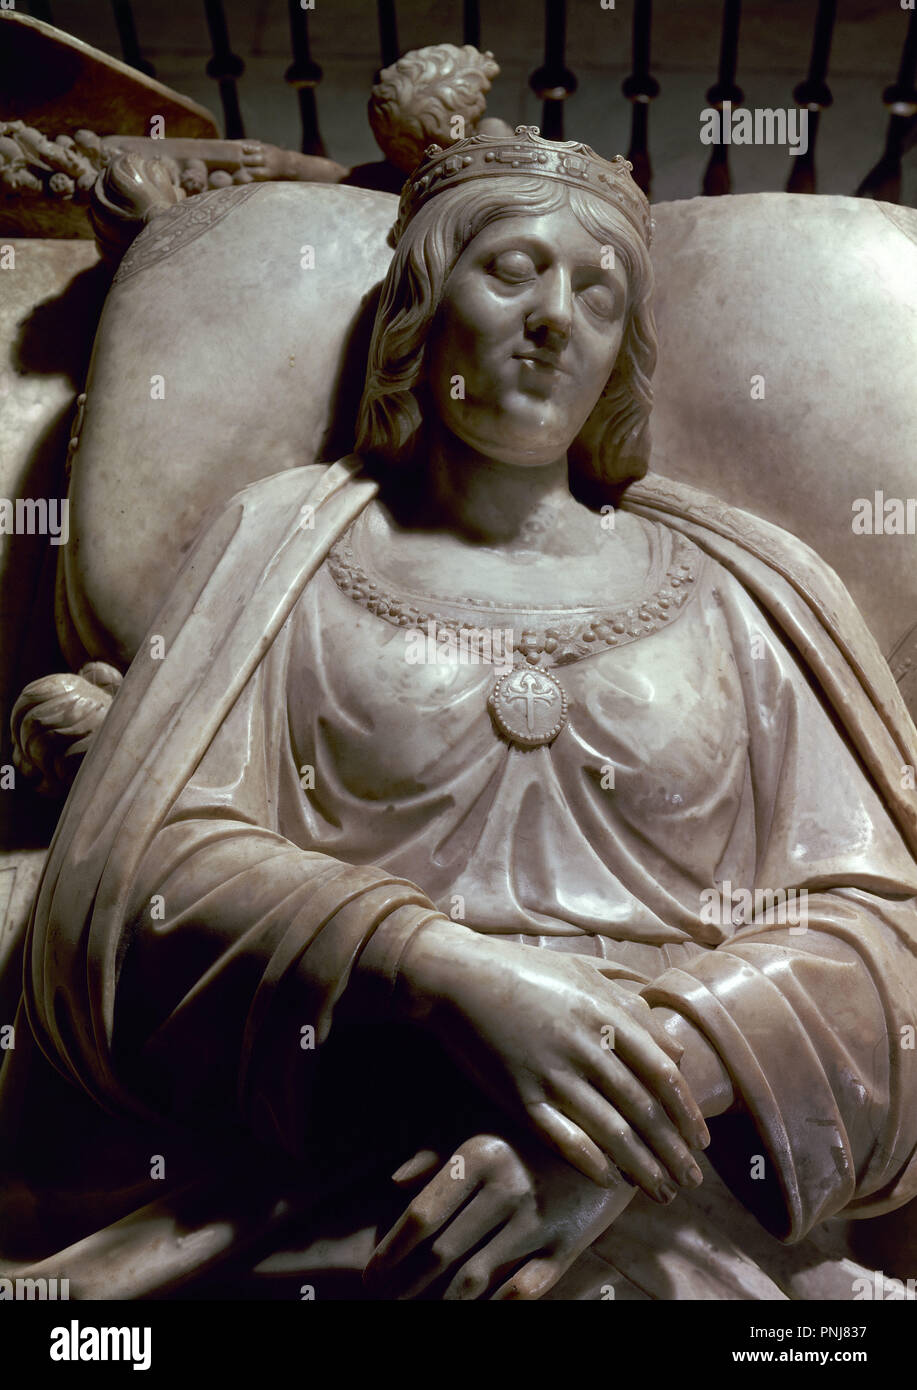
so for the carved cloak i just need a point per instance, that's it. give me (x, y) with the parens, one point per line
(233, 595)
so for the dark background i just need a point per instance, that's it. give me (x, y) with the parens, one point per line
(775, 43)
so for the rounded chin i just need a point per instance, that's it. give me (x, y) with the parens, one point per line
(521, 418)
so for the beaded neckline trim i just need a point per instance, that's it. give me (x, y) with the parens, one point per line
(556, 643)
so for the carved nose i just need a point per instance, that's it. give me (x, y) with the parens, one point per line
(553, 315)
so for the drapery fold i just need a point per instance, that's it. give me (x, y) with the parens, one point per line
(227, 606)
(277, 928)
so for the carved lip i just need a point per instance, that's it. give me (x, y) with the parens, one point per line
(543, 359)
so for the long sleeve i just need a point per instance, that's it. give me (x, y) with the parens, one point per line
(811, 1008)
(241, 942)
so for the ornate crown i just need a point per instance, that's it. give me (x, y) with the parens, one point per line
(490, 156)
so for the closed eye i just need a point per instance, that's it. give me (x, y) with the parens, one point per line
(512, 267)
(600, 301)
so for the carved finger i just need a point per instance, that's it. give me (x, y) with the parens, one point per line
(532, 1281)
(425, 1215)
(640, 1011)
(484, 1216)
(496, 1264)
(566, 1138)
(585, 1106)
(660, 1075)
(423, 1165)
(640, 1108)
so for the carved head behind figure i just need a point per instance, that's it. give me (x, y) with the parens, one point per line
(517, 312)
(429, 94)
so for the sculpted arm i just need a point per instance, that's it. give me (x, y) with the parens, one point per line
(243, 946)
(797, 1023)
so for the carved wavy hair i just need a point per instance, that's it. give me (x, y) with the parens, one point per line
(613, 447)
(415, 100)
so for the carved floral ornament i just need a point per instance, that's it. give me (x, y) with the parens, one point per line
(67, 167)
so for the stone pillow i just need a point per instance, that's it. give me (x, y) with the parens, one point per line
(233, 341)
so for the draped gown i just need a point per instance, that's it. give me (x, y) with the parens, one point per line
(699, 762)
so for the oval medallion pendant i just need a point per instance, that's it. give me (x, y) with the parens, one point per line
(528, 706)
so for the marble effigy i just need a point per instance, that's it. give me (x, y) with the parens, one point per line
(539, 930)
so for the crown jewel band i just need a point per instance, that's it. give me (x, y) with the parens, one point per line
(487, 156)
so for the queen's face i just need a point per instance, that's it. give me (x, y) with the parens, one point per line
(525, 337)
